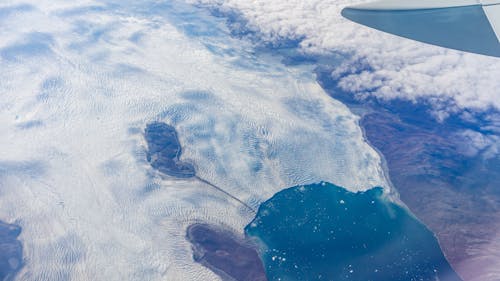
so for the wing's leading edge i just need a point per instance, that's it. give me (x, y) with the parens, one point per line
(466, 25)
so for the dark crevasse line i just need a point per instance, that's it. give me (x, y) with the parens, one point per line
(227, 193)
(325, 232)
(164, 152)
(218, 249)
(11, 251)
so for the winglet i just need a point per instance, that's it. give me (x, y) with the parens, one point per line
(466, 25)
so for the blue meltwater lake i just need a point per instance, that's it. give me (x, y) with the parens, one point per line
(325, 232)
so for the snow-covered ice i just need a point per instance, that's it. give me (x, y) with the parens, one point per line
(80, 80)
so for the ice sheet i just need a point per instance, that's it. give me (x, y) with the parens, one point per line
(79, 82)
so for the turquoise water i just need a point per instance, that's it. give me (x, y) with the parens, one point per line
(324, 232)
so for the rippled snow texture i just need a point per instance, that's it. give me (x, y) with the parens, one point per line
(79, 82)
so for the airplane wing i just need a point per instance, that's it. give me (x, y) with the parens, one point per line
(466, 25)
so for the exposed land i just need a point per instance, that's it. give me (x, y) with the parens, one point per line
(454, 193)
(164, 151)
(230, 257)
(11, 250)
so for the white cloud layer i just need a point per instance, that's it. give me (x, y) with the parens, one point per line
(400, 68)
(79, 82)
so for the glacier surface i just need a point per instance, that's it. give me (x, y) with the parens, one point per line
(79, 82)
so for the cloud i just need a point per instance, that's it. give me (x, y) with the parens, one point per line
(472, 143)
(399, 68)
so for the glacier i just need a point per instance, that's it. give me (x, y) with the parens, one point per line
(80, 81)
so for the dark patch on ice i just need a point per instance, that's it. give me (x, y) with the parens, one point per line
(136, 37)
(84, 10)
(164, 151)
(198, 96)
(34, 44)
(14, 10)
(30, 124)
(11, 251)
(32, 169)
(225, 254)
